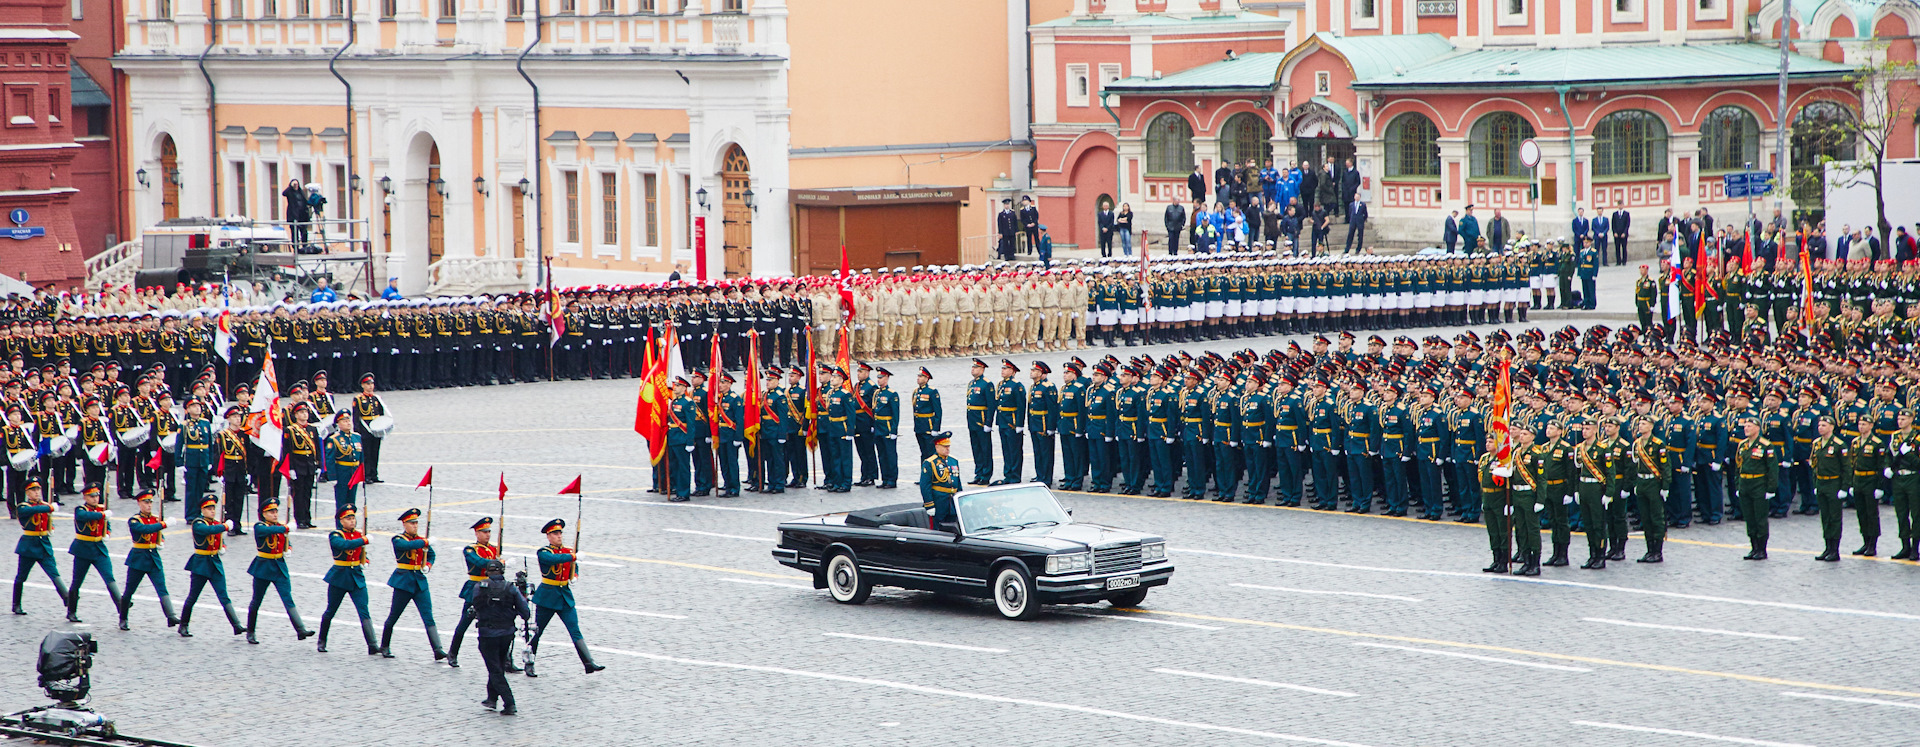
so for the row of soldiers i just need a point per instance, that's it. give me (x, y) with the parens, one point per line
(1626, 432)
(413, 552)
(1766, 300)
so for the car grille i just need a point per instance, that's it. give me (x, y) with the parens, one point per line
(1116, 559)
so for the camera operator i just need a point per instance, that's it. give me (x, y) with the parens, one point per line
(494, 606)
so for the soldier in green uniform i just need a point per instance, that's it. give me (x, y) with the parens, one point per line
(1903, 449)
(204, 568)
(886, 427)
(939, 482)
(1010, 398)
(1831, 465)
(1496, 507)
(836, 433)
(927, 412)
(477, 555)
(981, 402)
(412, 556)
(1594, 487)
(1256, 437)
(1645, 294)
(1870, 466)
(90, 529)
(347, 579)
(1196, 432)
(143, 561)
(1102, 426)
(1042, 421)
(1649, 473)
(1525, 482)
(1072, 426)
(558, 569)
(269, 569)
(1558, 477)
(1162, 431)
(1756, 469)
(1620, 488)
(344, 445)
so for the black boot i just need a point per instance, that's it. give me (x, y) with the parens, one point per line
(1906, 550)
(1867, 550)
(1832, 554)
(1596, 560)
(300, 631)
(1559, 555)
(586, 657)
(1653, 553)
(366, 631)
(386, 641)
(253, 617)
(1619, 550)
(433, 637)
(186, 616)
(1499, 561)
(166, 606)
(1530, 565)
(233, 618)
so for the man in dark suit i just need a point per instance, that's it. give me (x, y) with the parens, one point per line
(1597, 228)
(1349, 185)
(1450, 234)
(1581, 228)
(1620, 223)
(1356, 226)
(1196, 186)
(1176, 219)
(1030, 222)
(1843, 243)
(1666, 222)
(1007, 223)
(1104, 217)
(1871, 243)
(1309, 184)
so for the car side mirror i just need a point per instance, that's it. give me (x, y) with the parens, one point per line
(1069, 511)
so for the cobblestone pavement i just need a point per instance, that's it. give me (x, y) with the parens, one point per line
(1281, 626)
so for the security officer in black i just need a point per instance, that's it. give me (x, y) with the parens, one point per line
(493, 607)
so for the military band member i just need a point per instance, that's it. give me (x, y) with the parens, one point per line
(927, 412)
(1648, 475)
(558, 569)
(366, 407)
(886, 428)
(143, 561)
(300, 448)
(939, 483)
(89, 551)
(204, 568)
(412, 556)
(97, 447)
(269, 570)
(35, 546)
(232, 446)
(347, 578)
(1832, 472)
(477, 555)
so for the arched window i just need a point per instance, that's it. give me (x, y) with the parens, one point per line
(1729, 140)
(1821, 131)
(1494, 145)
(1630, 143)
(1245, 137)
(1169, 145)
(1413, 146)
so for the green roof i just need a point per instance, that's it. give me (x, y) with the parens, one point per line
(1253, 71)
(84, 91)
(1153, 19)
(1371, 56)
(1611, 64)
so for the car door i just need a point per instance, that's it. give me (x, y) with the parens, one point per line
(941, 561)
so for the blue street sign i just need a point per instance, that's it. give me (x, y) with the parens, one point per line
(1748, 183)
(23, 233)
(19, 216)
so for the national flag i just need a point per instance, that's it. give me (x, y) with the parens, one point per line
(556, 316)
(223, 337)
(1674, 280)
(755, 399)
(715, 366)
(359, 476)
(1497, 418)
(503, 486)
(1701, 278)
(1746, 254)
(285, 468)
(1806, 289)
(845, 285)
(426, 480)
(654, 406)
(153, 463)
(572, 488)
(813, 395)
(263, 418)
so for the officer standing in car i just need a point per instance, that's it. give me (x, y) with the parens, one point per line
(940, 482)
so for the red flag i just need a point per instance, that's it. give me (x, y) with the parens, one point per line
(844, 283)
(755, 400)
(714, 369)
(1806, 289)
(426, 480)
(1497, 420)
(572, 488)
(813, 396)
(503, 486)
(845, 361)
(1746, 255)
(285, 468)
(1700, 277)
(359, 476)
(654, 409)
(154, 463)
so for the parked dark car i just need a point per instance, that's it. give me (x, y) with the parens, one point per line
(1014, 544)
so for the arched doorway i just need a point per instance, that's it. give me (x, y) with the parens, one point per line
(436, 207)
(1320, 133)
(169, 179)
(735, 214)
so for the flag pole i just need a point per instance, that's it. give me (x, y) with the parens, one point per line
(500, 533)
(579, 511)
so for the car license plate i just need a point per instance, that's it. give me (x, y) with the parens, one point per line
(1122, 582)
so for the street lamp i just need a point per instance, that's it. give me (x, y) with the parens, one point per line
(526, 187)
(439, 185)
(701, 197)
(141, 177)
(480, 185)
(748, 196)
(386, 185)
(354, 183)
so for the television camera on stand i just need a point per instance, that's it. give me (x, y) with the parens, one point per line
(64, 665)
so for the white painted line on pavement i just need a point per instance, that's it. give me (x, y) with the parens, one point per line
(1334, 593)
(1552, 582)
(1262, 683)
(484, 513)
(83, 590)
(306, 575)
(723, 536)
(941, 691)
(636, 613)
(884, 639)
(690, 504)
(1868, 701)
(1694, 734)
(1476, 657)
(576, 560)
(766, 583)
(1131, 618)
(1682, 628)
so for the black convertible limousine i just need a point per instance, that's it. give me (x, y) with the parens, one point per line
(1014, 544)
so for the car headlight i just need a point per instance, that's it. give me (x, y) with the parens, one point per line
(1153, 551)
(1074, 563)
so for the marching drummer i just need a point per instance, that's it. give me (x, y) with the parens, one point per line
(129, 432)
(98, 450)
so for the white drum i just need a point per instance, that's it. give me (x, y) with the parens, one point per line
(25, 460)
(136, 435)
(169, 441)
(380, 426)
(59, 445)
(100, 453)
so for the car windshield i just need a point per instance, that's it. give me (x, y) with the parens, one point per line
(1013, 507)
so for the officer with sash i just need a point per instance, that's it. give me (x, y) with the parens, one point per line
(269, 569)
(1648, 475)
(1831, 464)
(477, 555)
(347, 578)
(412, 556)
(143, 561)
(204, 568)
(35, 548)
(555, 595)
(939, 483)
(90, 529)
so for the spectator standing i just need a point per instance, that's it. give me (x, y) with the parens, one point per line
(1270, 182)
(1450, 233)
(1581, 229)
(1327, 190)
(1104, 218)
(1349, 186)
(1871, 243)
(675, 275)
(1007, 224)
(1174, 219)
(1043, 246)
(1589, 271)
(1356, 226)
(1309, 186)
(1196, 186)
(1497, 231)
(1322, 224)
(392, 293)
(1665, 224)
(1904, 248)
(1621, 222)
(1844, 243)
(1030, 220)
(295, 212)
(1598, 229)
(1470, 230)
(323, 294)
(1123, 224)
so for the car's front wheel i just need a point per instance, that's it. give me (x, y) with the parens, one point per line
(845, 581)
(1015, 594)
(1130, 598)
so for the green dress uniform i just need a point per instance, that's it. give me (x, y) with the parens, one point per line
(927, 413)
(1832, 466)
(204, 569)
(939, 482)
(980, 407)
(347, 580)
(90, 528)
(1011, 422)
(411, 558)
(1558, 476)
(1102, 426)
(1594, 486)
(269, 570)
(345, 448)
(1870, 465)
(886, 434)
(554, 598)
(1072, 428)
(727, 450)
(836, 440)
(1621, 489)
(143, 562)
(1495, 507)
(1756, 473)
(1649, 473)
(1043, 419)
(196, 453)
(1904, 451)
(1528, 499)
(35, 549)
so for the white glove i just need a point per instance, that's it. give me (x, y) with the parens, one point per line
(1887, 473)
(1878, 494)
(1335, 452)
(1406, 459)
(1842, 495)
(893, 436)
(1233, 444)
(1715, 466)
(689, 449)
(849, 438)
(1168, 440)
(1109, 439)
(1265, 444)
(1566, 500)
(1301, 448)
(233, 525)
(1508, 510)
(1538, 507)
(1683, 470)
(1625, 495)
(1020, 431)
(1906, 448)
(1605, 501)
(929, 512)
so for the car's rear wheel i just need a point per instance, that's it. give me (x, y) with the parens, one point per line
(845, 582)
(1130, 598)
(1015, 594)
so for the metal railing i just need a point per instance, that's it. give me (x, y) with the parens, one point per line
(976, 250)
